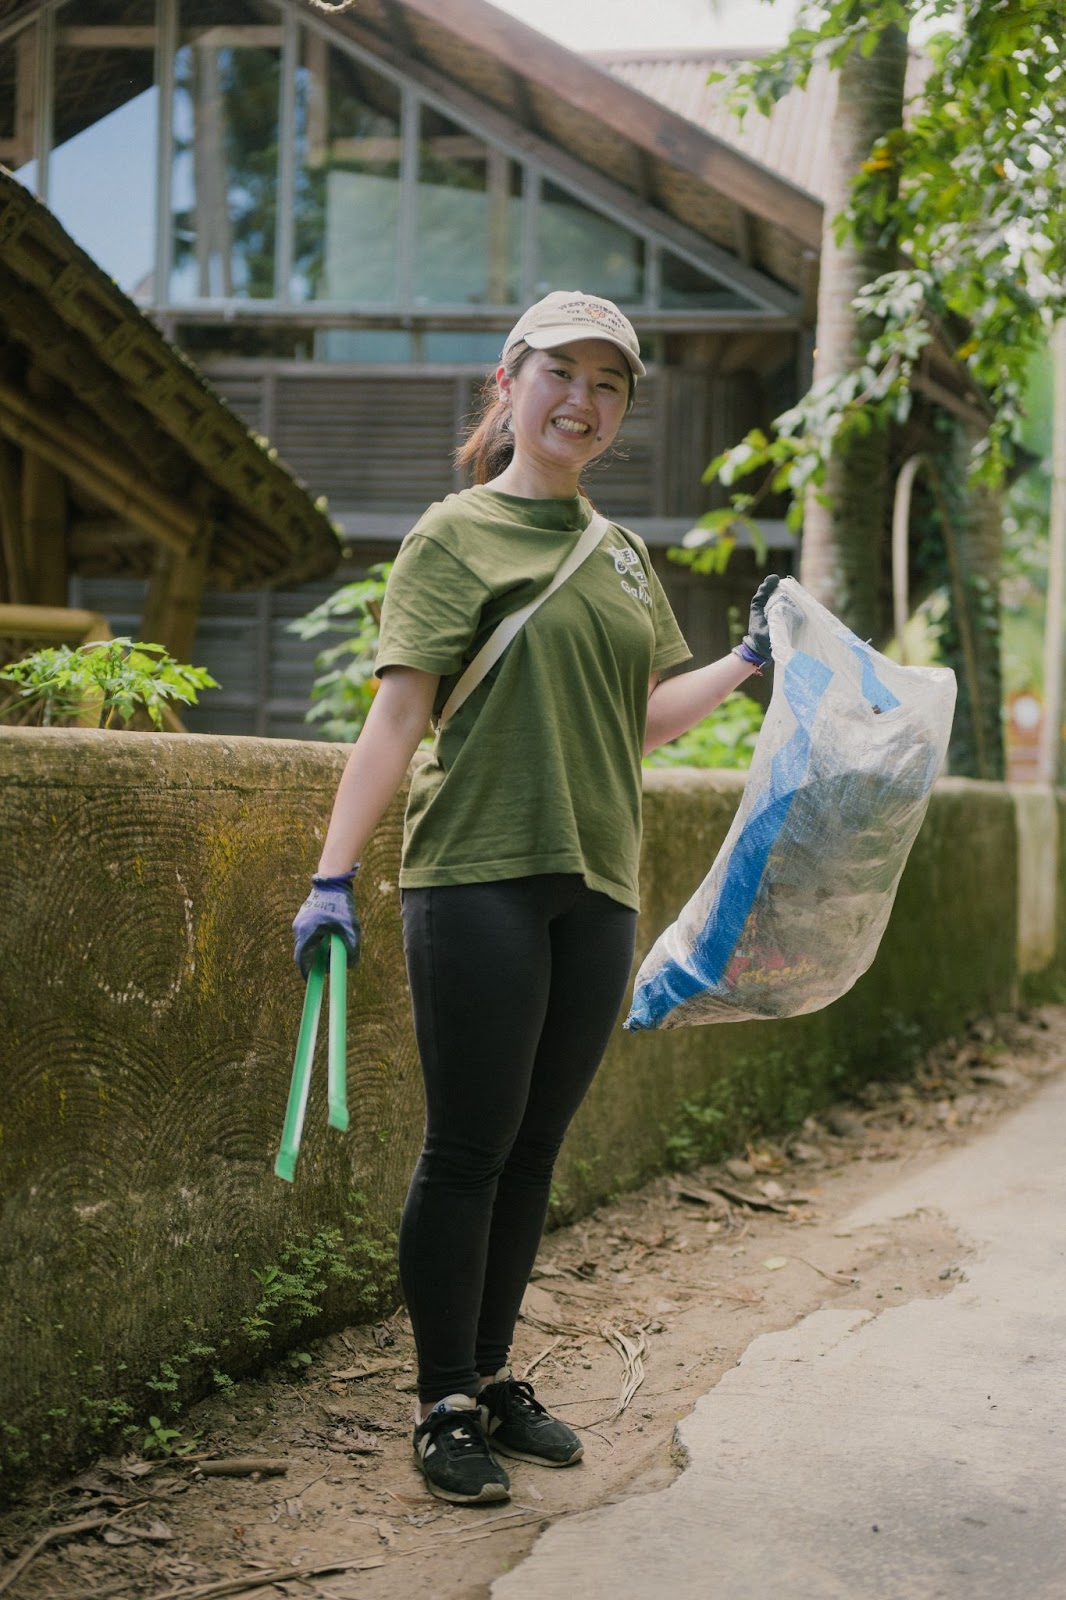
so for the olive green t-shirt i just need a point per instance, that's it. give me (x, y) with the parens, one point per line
(539, 770)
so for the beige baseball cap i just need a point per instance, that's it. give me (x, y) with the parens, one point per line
(566, 315)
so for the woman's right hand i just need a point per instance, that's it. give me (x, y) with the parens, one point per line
(328, 909)
(757, 637)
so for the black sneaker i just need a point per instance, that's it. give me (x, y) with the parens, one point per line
(453, 1457)
(516, 1424)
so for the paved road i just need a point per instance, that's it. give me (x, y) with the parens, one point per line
(919, 1454)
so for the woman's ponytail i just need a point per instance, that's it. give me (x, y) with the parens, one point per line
(489, 446)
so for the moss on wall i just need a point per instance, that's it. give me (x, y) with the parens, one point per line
(1039, 981)
(148, 1016)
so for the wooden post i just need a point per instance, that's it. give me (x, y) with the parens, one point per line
(16, 584)
(172, 600)
(44, 508)
(44, 530)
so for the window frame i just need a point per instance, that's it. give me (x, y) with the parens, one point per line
(534, 169)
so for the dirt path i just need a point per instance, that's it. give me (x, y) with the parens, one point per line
(632, 1315)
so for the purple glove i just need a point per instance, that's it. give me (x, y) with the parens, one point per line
(329, 908)
(754, 648)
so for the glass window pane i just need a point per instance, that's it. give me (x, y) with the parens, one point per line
(362, 344)
(687, 288)
(102, 170)
(480, 349)
(469, 240)
(348, 158)
(580, 248)
(224, 181)
(18, 86)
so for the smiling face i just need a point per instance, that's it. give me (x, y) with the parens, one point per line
(566, 408)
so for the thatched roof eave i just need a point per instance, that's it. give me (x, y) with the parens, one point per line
(131, 416)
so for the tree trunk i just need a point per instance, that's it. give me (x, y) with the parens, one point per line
(841, 556)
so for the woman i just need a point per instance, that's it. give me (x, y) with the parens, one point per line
(519, 874)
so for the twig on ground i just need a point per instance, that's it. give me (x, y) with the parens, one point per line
(834, 1277)
(68, 1530)
(375, 1369)
(486, 1533)
(566, 1330)
(548, 1348)
(309, 1485)
(262, 1580)
(632, 1352)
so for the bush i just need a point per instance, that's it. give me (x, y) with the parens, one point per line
(344, 689)
(98, 683)
(724, 739)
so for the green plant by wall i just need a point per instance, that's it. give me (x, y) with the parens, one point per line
(105, 681)
(293, 1291)
(356, 1260)
(773, 1094)
(344, 687)
(163, 1442)
(776, 1091)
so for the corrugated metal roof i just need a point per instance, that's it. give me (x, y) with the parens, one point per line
(792, 142)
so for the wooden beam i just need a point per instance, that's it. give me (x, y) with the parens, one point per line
(121, 488)
(52, 624)
(236, 37)
(90, 537)
(402, 38)
(108, 38)
(742, 232)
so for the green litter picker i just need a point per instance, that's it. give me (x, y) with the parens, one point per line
(337, 1081)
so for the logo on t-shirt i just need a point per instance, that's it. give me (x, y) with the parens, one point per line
(627, 565)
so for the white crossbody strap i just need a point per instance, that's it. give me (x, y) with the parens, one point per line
(505, 631)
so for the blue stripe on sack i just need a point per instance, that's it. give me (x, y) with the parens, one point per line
(878, 694)
(805, 682)
(881, 697)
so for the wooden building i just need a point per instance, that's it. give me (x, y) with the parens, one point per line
(337, 217)
(118, 461)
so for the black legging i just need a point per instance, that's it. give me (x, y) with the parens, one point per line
(516, 986)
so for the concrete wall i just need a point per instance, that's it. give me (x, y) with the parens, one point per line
(148, 1015)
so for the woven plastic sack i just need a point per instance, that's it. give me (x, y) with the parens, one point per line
(793, 909)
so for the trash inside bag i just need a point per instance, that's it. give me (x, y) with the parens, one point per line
(793, 909)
